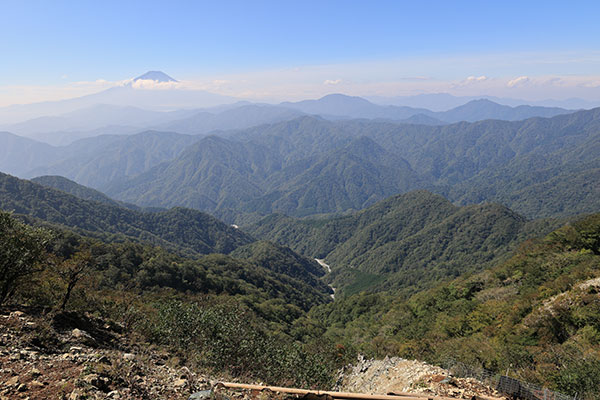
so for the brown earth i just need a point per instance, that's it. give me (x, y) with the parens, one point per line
(397, 375)
(67, 355)
(72, 356)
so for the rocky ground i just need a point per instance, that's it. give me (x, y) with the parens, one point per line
(71, 356)
(397, 375)
(66, 355)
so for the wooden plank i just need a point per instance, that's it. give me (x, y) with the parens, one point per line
(340, 395)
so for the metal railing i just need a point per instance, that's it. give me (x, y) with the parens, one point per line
(506, 385)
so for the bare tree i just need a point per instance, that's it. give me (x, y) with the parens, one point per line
(72, 270)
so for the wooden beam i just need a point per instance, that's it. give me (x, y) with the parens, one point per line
(340, 395)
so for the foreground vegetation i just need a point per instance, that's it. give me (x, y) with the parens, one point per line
(455, 284)
(215, 312)
(536, 315)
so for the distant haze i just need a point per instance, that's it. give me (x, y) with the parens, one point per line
(157, 91)
(273, 51)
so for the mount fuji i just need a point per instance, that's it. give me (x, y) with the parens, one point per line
(129, 95)
(157, 76)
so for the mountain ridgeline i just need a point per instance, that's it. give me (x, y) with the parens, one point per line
(303, 165)
(178, 228)
(408, 241)
(179, 234)
(313, 166)
(476, 110)
(80, 191)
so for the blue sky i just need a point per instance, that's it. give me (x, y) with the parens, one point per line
(56, 47)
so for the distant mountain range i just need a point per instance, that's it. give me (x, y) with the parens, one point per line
(310, 165)
(109, 159)
(93, 160)
(136, 93)
(475, 110)
(100, 119)
(332, 155)
(445, 101)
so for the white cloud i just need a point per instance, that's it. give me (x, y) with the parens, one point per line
(517, 82)
(471, 83)
(475, 79)
(149, 84)
(332, 82)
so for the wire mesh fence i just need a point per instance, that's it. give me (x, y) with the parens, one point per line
(512, 387)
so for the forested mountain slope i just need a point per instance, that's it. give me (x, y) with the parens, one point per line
(178, 228)
(313, 166)
(77, 190)
(183, 231)
(406, 241)
(123, 157)
(535, 314)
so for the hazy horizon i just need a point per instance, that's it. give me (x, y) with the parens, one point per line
(272, 51)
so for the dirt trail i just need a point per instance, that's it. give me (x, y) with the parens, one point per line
(399, 375)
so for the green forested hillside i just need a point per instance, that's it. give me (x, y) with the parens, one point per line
(407, 241)
(351, 178)
(283, 260)
(77, 190)
(311, 166)
(122, 157)
(540, 182)
(143, 268)
(180, 229)
(18, 154)
(185, 231)
(212, 172)
(535, 314)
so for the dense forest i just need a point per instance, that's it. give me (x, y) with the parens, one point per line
(407, 241)
(307, 165)
(311, 166)
(535, 314)
(178, 229)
